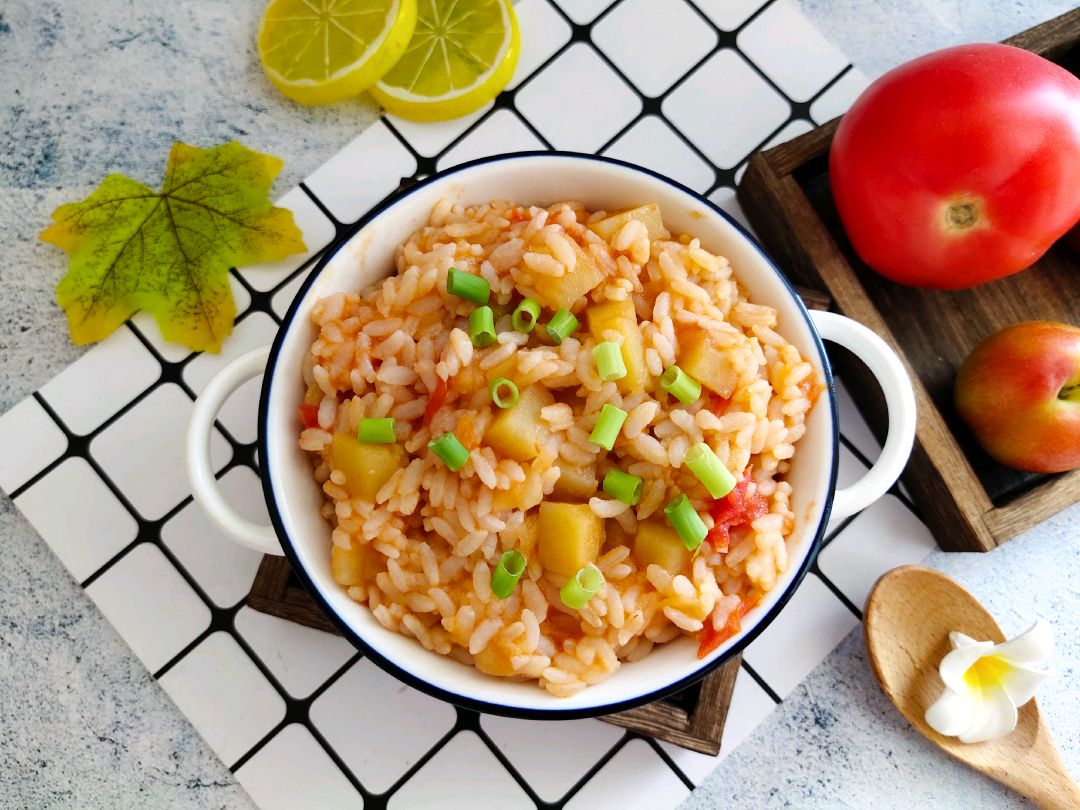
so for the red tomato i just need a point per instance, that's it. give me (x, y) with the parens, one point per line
(961, 166)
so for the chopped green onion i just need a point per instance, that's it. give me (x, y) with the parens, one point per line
(561, 326)
(582, 587)
(503, 392)
(704, 464)
(526, 315)
(623, 487)
(467, 286)
(377, 431)
(482, 327)
(450, 450)
(686, 522)
(507, 573)
(680, 385)
(608, 426)
(609, 361)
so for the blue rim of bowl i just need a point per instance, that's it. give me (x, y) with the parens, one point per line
(411, 678)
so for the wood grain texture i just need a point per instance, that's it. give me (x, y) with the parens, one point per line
(909, 615)
(691, 719)
(1052, 39)
(277, 592)
(701, 728)
(969, 501)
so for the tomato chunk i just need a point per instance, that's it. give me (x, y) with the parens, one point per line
(435, 401)
(710, 638)
(720, 405)
(735, 509)
(309, 416)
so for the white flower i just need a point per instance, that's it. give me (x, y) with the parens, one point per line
(985, 683)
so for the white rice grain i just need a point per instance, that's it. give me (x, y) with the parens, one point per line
(544, 264)
(607, 507)
(484, 471)
(483, 634)
(650, 449)
(640, 418)
(682, 621)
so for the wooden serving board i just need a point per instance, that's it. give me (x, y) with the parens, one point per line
(970, 502)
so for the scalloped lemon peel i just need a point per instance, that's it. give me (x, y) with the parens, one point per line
(322, 51)
(462, 54)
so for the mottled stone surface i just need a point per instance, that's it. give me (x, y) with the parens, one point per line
(92, 87)
(879, 34)
(88, 88)
(837, 741)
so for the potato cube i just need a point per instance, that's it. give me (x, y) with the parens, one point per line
(523, 536)
(518, 431)
(530, 534)
(707, 363)
(691, 607)
(470, 379)
(575, 483)
(507, 368)
(570, 536)
(353, 566)
(568, 291)
(621, 317)
(366, 466)
(493, 660)
(657, 543)
(607, 227)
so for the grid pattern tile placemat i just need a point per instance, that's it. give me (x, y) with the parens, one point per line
(686, 88)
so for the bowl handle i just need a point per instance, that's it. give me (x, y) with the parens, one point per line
(899, 399)
(204, 484)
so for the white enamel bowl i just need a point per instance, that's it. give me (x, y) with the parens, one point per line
(364, 256)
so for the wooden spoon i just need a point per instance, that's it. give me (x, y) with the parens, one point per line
(908, 618)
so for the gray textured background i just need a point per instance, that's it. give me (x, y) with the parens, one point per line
(87, 88)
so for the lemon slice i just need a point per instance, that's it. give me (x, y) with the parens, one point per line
(321, 51)
(462, 54)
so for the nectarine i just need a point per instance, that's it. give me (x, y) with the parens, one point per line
(1019, 391)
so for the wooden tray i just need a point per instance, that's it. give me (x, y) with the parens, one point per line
(693, 718)
(971, 502)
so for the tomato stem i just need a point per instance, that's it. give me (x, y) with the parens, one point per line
(961, 215)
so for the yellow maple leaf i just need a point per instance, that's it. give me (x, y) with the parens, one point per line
(169, 252)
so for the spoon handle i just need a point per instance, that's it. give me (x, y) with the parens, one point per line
(1045, 782)
(1065, 795)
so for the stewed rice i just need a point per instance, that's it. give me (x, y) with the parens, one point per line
(432, 537)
